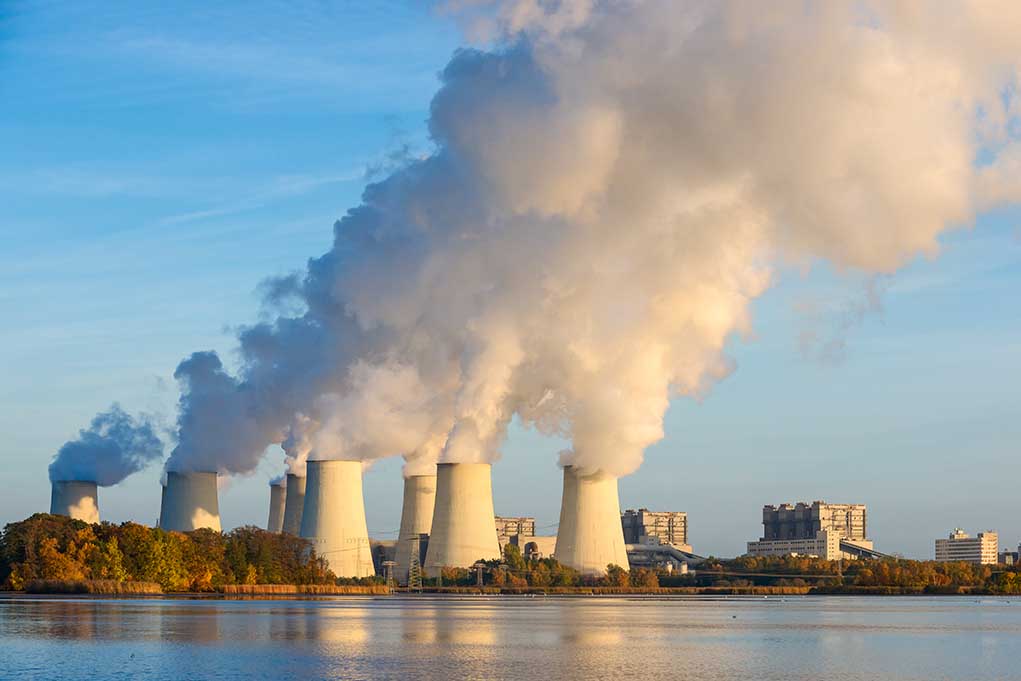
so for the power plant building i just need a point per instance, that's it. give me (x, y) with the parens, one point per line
(77, 499)
(333, 518)
(655, 527)
(416, 523)
(294, 503)
(815, 529)
(590, 537)
(277, 497)
(190, 502)
(961, 547)
(463, 526)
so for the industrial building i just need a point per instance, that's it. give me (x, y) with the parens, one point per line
(650, 527)
(333, 518)
(961, 547)
(416, 523)
(463, 525)
(190, 502)
(294, 503)
(590, 536)
(507, 527)
(520, 532)
(277, 496)
(77, 499)
(817, 529)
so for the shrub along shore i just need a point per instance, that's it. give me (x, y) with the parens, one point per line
(47, 554)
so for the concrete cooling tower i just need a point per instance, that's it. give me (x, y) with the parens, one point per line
(590, 536)
(189, 502)
(275, 524)
(464, 525)
(416, 520)
(294, 503)
(76, 499)
(334, 517)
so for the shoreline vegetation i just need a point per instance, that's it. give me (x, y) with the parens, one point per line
(55, 555)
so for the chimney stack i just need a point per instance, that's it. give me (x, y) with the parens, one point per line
(294, 503)
(190, 502)
(334, 517)
(76, 499)
(275, 524)
(464, 524)
(590, 536)
(416, 520)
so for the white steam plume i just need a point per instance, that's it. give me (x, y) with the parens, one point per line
(612, 184)
(114, 446)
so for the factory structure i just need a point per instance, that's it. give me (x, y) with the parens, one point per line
(76, 499)
(959, 546)
(830, 531)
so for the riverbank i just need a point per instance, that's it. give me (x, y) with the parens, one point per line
(312, 591)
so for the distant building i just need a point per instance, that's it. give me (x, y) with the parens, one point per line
(507, 526)
(665, 527)
(520, 532)
(961, 547)
(1008, 557)
(815, 529)
(533, 546)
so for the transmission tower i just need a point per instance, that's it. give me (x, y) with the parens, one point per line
(414, 568)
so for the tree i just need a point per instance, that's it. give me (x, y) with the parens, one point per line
(617, 576)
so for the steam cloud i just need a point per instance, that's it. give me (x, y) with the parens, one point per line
(114, 446)
(612, 184)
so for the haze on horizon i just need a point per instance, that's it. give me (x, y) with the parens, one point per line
(205, 153)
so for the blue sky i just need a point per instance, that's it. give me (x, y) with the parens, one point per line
(157, 164)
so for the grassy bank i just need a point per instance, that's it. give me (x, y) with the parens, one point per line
(623, 591)
(106, 587)
(301, 589)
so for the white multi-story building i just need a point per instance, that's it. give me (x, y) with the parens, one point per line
(961, 547)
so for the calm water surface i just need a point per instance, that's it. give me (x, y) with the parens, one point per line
(493, 638)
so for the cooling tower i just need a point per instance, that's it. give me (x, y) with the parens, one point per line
(294, 503)
(590, 536)
(416, 520)
(334, 517)
(76, 499)
(275, 523)
(464, 525)
(189, 502)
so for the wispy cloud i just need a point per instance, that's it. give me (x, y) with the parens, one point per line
(282, 187)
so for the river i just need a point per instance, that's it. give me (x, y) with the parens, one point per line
(407, 637)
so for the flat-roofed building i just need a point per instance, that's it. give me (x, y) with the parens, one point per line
(643, 526)
(961, 547)
(815, 529)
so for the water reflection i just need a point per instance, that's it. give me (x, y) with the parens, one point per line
(485, 638)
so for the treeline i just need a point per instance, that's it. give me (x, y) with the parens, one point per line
(55, 548)
(866, 576)
(515, 571)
